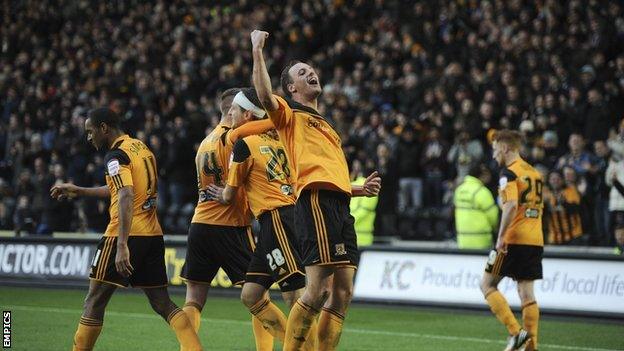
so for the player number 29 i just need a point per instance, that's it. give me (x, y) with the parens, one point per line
(276, 259)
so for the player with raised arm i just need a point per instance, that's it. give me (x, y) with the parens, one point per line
(520, 243)
(132, 250)
(324, 225)
(259, 165)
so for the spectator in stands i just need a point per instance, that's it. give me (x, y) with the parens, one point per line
(464, 154)
(580, 160)
(434, 168)
(562, 210)
(614, 178)
(601, 192)
(410, 173)
(445, 66)
(24, 220)
(386, 218)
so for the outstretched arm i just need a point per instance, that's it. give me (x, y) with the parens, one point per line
(261, 79)
(250, 128)
(69, 191)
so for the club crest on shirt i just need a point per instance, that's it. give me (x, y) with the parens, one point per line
(502, 183)
(340, 249)
(113, 167)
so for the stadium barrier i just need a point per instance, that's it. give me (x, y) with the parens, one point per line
(574, 283)
(67, 261)
(577, 284)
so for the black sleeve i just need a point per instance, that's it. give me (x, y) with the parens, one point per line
(241, 151)
(118, 154)
(224, 137)
(509, 174)
(619, 187)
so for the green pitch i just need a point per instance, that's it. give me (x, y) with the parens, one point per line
(44, 319)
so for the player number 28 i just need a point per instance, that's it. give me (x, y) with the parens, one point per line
(276, 259)
(277, 165)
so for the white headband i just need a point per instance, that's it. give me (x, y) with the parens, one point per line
(241, 100)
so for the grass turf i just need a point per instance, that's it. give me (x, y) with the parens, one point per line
(45, 319)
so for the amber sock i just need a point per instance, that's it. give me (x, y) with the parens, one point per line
(181, 325)
(329, 329)
(311, 343)
(87, 333)
(530, 320)
(264, 339)
(193, 312)
(501, 310)
(271, 317)
(298, 328)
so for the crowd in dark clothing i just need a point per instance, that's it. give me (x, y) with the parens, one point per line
(415, 87)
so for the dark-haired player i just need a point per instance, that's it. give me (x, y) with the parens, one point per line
(519, 247)
(131, 252)
(324, 225)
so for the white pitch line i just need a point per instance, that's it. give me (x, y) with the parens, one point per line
(346, 330)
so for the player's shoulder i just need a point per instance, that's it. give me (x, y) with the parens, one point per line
(526, 169)
(116, 157)
(241, 151)
(119, 152)
(508, 174)
(217, 137)
(298, 107)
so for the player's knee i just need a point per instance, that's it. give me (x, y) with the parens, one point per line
(196, 293)
(161, 306)
(343, 294)
(317, 295)
(94, 304)
(291, 297)
(249, 298)
(487, 286)
(525, 294)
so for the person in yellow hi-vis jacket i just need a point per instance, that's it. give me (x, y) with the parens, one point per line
(476, 212)
(362, 209)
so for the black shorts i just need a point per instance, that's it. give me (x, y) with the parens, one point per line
(618, 219)
(147, 257)
(522, 262)
(276, 258)
(325, 229)
(211, 247)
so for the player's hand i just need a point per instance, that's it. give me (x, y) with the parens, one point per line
(372, 184)
(122, 261)
(64, 191)
(258, 38)
(216, 193)
(501, 246)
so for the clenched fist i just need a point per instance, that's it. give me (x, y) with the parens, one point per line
(258, 38)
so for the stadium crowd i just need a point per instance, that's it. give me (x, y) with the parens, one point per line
(415, 88)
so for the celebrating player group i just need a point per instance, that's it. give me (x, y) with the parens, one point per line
(278, 159)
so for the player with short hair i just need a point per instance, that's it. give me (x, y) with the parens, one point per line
(131, 252)
(325, 232)
(259, 164)
(520, 243)
(220, 235)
